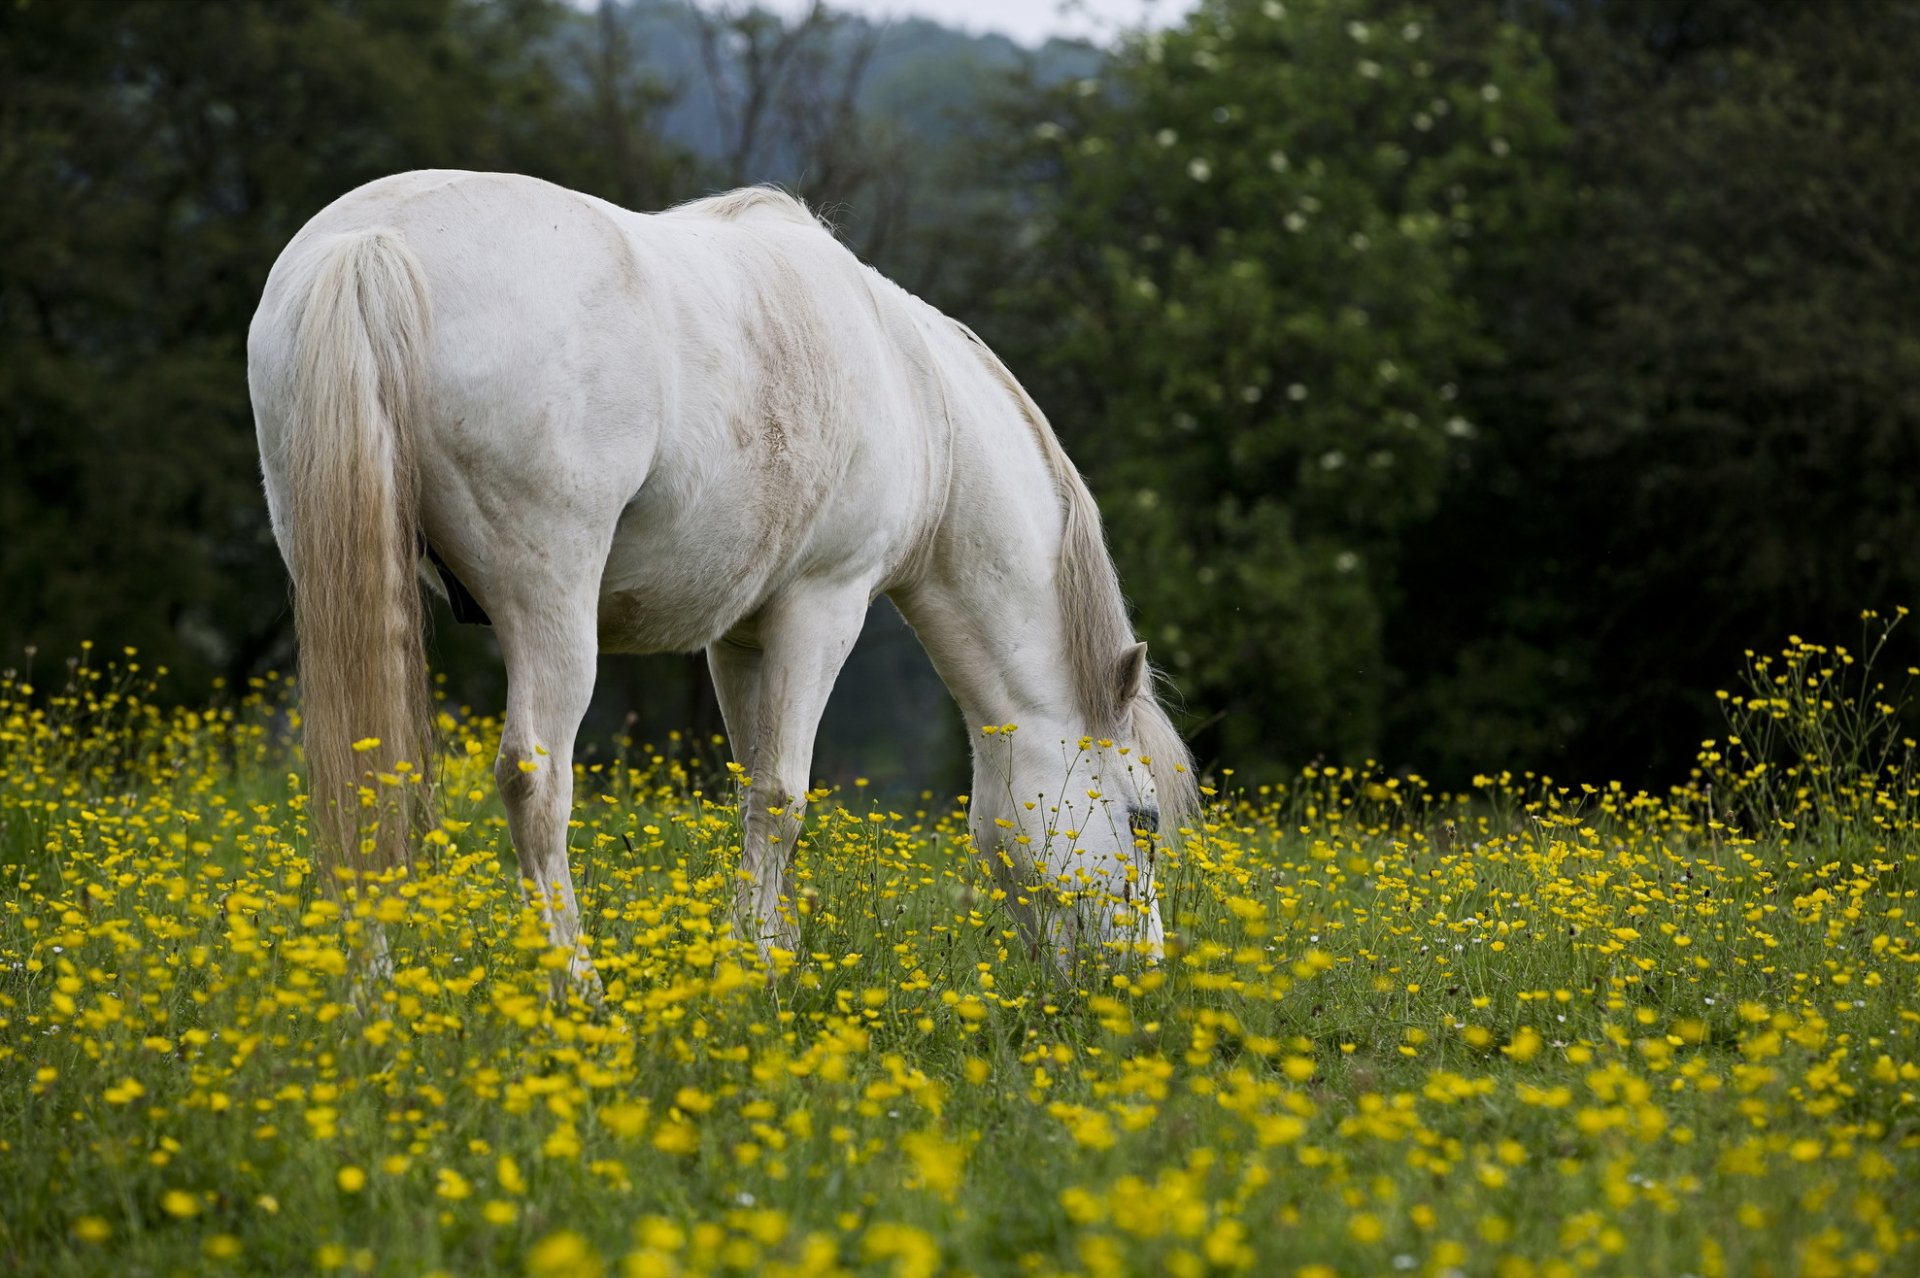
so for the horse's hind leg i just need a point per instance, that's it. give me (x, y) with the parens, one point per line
(773, 685)
(549, 644)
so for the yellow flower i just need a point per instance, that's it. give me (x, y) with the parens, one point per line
(914, 1252)
(179, 1204)
(659, 1234)
(564, 1254)
(940, 1162)
(125, 1092)
(1526, 1044)
(677, 1138)
(351, 1179)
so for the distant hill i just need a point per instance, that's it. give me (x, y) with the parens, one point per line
(922, 78)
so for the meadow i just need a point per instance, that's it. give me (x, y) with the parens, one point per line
(1530, 1028)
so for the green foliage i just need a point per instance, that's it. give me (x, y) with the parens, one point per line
(1704, 427)
(156, 158)
(1462, 382)
(1250, 322)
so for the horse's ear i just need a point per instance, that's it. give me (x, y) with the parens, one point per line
(1130, 675)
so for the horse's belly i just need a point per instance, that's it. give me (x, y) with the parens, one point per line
(677, 579)
(671, 617)
(700, 549)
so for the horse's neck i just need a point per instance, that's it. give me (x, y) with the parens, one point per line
(986, 604)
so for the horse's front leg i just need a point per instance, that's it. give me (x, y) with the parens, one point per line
(773, 678)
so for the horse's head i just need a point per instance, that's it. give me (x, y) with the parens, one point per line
(1074, 825)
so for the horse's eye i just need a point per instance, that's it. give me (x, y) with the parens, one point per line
(1144, 820)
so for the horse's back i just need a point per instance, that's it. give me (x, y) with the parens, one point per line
(705, 401)
(523, 278)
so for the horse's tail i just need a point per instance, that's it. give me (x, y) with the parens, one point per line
(353, 514)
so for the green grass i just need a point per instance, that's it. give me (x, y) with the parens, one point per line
(1528, 1030)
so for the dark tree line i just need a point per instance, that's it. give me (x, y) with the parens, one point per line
(1570, 352)
(154, 158)
(1704, 432)
(1466, 385)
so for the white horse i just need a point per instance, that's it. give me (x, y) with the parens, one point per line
(706, 428)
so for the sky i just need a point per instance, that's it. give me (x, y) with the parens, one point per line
(1028, 21)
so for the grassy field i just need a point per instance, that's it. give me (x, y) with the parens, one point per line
(1532, 1029)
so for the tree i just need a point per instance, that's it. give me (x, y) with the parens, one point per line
(156, 158)
(1245, 313)
(1703, 436)
(786, 94)
(629, 162)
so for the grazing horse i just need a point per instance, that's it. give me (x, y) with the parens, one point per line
(714, 428)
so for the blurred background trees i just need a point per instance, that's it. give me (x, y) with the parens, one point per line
(1465, 385)
(1705, 427)
(1250, 315)
(154, 159)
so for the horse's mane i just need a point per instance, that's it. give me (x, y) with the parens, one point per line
(770, 201)
(1094, 614)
